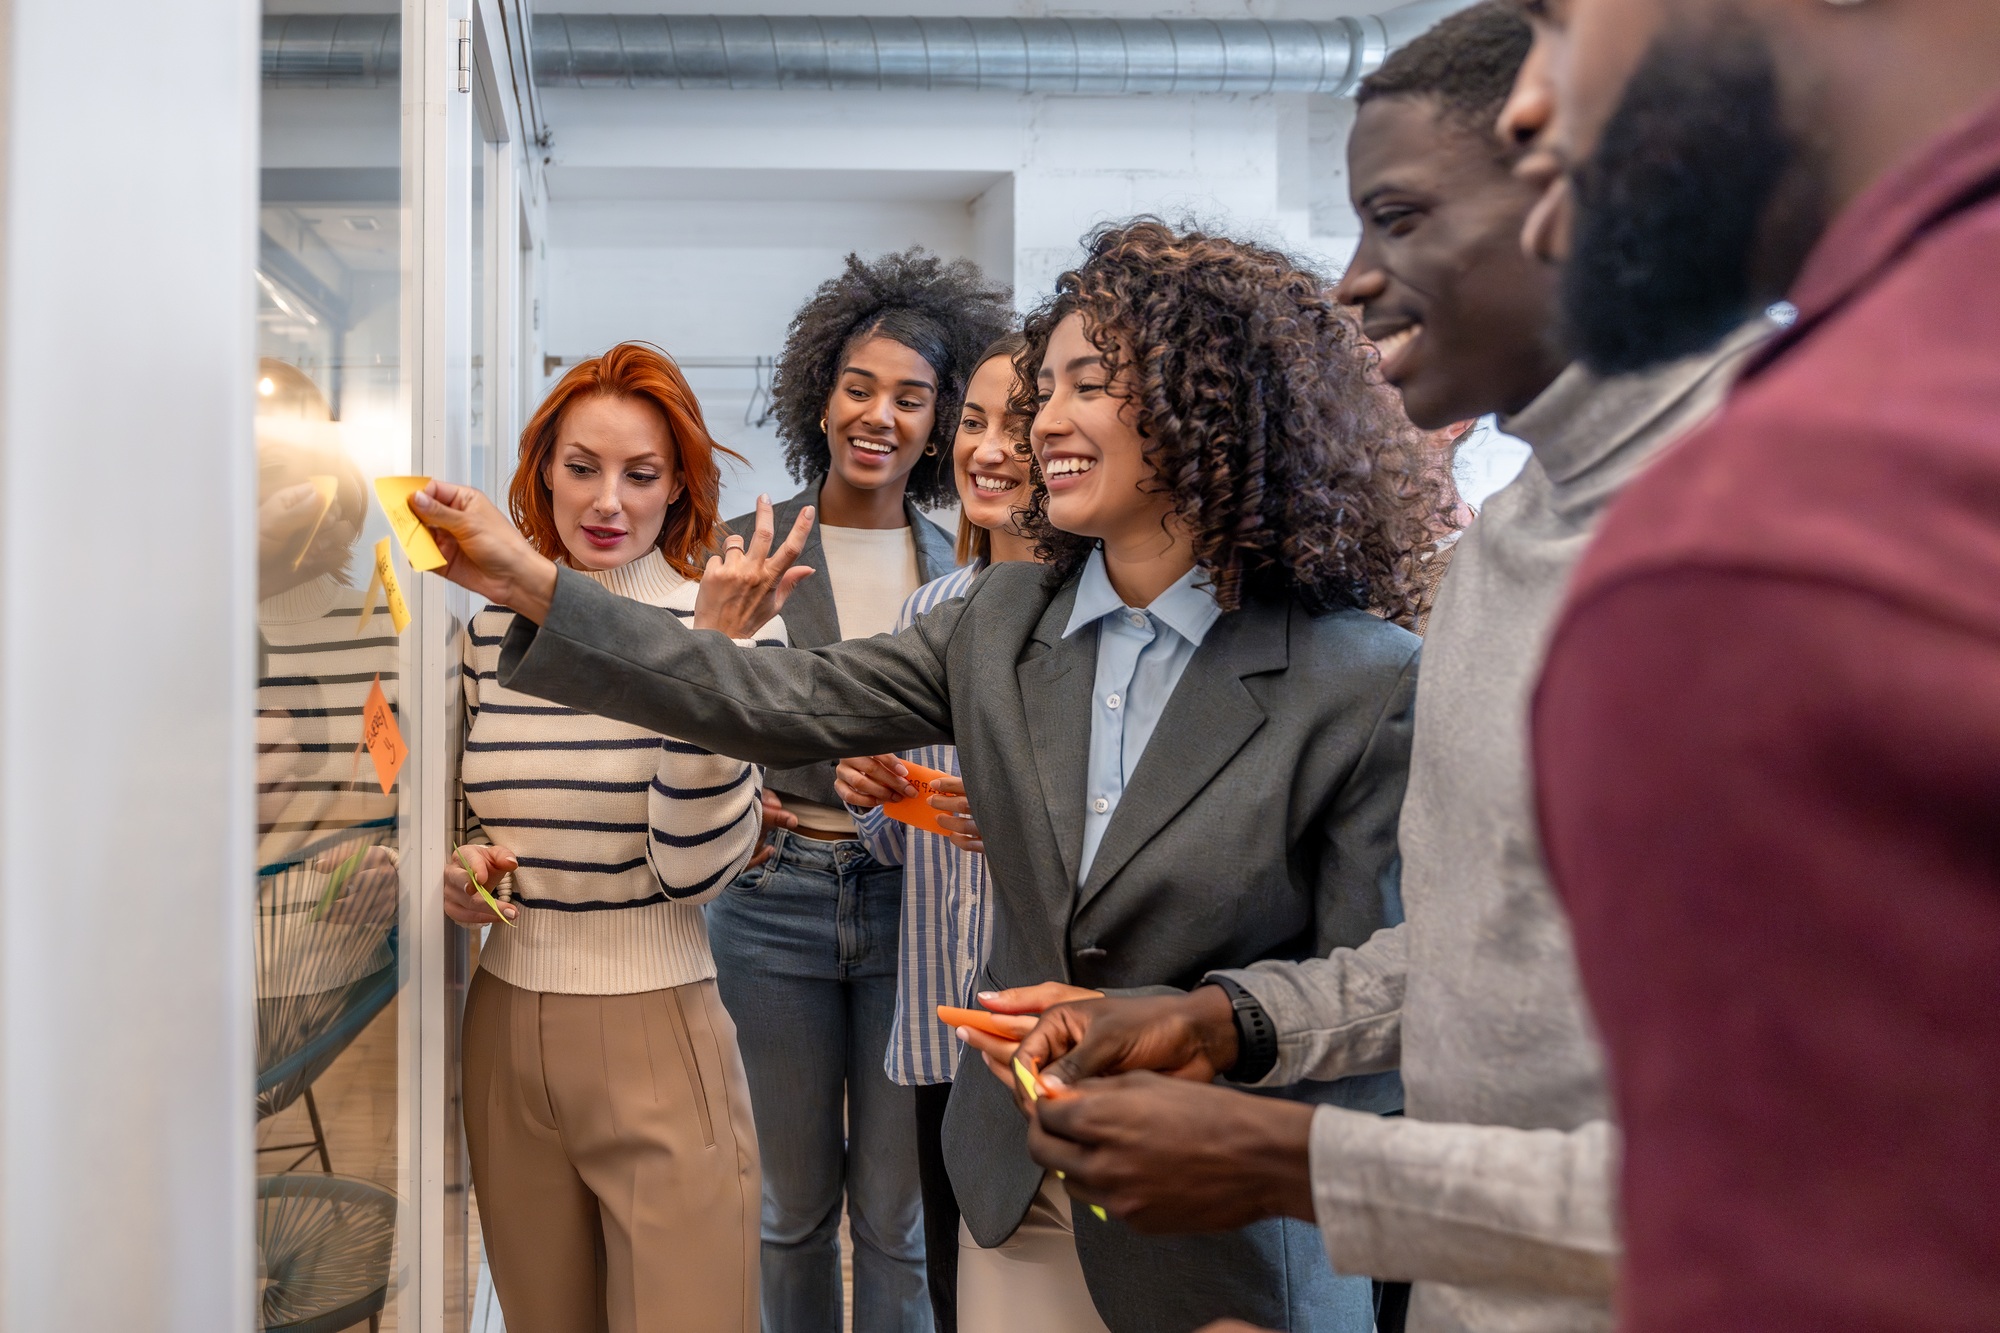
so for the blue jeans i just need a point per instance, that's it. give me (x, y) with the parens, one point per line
(805, 950)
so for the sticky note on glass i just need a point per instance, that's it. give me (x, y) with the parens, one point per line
(916, 810)
(382, 738)
(395, 493)
(383, 582)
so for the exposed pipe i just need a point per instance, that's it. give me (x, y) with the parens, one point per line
(994, 54)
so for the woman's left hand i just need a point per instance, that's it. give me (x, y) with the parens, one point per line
(955, 814)
(744, 587)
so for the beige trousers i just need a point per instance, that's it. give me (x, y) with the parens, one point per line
(1030, 1281)
(614, 1159)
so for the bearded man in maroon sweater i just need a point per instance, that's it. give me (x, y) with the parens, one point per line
(1768, 730)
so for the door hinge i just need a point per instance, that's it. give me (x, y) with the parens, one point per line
(465, 55)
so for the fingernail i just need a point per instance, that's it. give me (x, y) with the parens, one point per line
(420, 500)
(988, 994)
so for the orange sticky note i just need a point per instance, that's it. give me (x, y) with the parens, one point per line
(916, 810)
(977, 1019)
(382, 737)
(395, 493)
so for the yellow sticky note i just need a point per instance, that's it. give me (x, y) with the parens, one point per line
(385, 570)
(326, 487)
(1033, 1087)
(382, 736)
(395, 493)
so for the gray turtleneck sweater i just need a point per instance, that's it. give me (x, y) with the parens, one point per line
(1494, 1194)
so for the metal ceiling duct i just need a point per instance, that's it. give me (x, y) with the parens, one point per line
(989, 54)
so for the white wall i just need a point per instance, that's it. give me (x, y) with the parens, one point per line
(700, 220)
(127, 647)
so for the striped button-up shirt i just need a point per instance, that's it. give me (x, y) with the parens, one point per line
(946, 926)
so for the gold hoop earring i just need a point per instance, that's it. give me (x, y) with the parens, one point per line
(930, 450)
(822, 423)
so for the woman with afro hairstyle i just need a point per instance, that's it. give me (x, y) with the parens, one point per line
(867, 397)
(1185, 739)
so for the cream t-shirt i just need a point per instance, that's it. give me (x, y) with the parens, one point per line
(872, 571)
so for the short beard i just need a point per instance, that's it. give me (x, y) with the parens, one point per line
(1674, 210)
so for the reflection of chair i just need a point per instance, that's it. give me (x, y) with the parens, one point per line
(297, 1041)
(322, 975)
(323, 1248)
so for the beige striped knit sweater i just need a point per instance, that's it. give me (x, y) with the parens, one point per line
(621, 832)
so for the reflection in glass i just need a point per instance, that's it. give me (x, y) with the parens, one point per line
(331, 415)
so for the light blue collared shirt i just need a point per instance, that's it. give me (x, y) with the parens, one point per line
(1141, 655)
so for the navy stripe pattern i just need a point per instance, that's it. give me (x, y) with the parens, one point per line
(619, 833)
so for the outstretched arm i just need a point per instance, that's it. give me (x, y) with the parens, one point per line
(781, 707)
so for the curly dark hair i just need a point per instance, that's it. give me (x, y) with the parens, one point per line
(1291, 465)
(945, 312)
(1467, 61)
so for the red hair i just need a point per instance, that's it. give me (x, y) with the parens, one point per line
(629, 370)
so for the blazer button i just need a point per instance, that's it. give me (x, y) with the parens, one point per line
(1091, 955)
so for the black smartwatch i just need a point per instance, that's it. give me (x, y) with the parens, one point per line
(1256, 1034)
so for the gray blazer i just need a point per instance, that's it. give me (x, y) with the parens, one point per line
(810, 619)
(1260, 823)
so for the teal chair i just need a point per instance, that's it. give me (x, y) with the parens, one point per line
(324, 1247)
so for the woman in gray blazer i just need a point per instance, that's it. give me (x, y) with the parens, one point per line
(1185, 740)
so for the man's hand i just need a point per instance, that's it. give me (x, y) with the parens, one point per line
(483, 552)
(870, 780)
(1167, 1155)
(775, 817)
(1190, 1036)
(462, 902)
(748, 583)
(1020, 1006)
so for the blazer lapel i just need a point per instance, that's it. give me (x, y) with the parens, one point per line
(937, 553)
(1055, 695)
(1210, 717)
(810, 618)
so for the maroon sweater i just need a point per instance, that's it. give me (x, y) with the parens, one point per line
(1767, 749)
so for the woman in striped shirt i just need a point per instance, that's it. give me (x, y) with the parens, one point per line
(613, 1155)
(945, 886)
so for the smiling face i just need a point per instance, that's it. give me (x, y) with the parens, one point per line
(612, 478)
(1093, 458)
(880, 415)
(992, 474)
(1463, 318)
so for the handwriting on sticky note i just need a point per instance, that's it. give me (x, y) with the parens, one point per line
(383, 581)
(381, 737)
(916, 810)
(385, 570)
(395, 493)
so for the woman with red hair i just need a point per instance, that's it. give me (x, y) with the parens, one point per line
(613, 1154)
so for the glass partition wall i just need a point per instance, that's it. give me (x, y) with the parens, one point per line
(380, 305)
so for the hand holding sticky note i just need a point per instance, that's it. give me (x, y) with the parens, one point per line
(395, 493)
(1037, 1090)
(916, 810)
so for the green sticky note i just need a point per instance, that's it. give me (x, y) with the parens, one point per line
(340, 876)
(489, 899)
